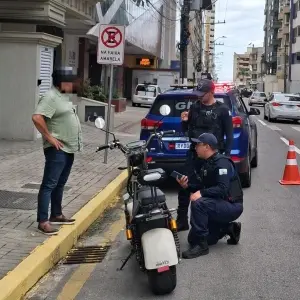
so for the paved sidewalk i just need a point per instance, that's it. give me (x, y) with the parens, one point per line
(21, 169)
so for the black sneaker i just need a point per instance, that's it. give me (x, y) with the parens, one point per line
(234, 232)
(196, 250)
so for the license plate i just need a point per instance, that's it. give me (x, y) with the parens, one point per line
(290, 106)
(182, 146)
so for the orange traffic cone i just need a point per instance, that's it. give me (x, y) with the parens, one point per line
(291, 174)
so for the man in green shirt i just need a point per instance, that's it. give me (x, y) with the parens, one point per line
(56, 119)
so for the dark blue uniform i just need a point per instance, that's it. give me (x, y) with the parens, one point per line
(221, 201)
(215, 119)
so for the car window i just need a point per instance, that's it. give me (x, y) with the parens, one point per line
(148, 90)
(262, 95)
(159, 90)
(239, 107)
(287, 98)
(179, 103)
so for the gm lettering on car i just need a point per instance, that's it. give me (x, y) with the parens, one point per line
(183, 105)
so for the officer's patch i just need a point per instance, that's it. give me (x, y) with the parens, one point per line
(223, 172)
(229, 112)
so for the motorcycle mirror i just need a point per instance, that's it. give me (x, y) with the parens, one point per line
(100, 123)
(165, 110)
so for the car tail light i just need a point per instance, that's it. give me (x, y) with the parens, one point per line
(236, 158)
(237, 122)
(171, 146)
(150, 124)
(148, 159)
(276, 104)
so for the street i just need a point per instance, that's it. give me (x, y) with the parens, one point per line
(265, 265)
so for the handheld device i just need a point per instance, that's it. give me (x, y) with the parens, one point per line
(176, 175)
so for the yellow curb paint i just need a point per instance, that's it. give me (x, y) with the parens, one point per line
(80, 276)
(21, 279)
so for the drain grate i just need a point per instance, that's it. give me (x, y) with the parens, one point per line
(16, 200)
(86, 255)
(36, 186)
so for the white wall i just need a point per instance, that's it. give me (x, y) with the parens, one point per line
(18, 86)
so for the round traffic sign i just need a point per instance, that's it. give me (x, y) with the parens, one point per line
(111, 37)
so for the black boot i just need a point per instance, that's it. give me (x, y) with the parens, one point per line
(182, 220)
(201, 248)
(234, 232)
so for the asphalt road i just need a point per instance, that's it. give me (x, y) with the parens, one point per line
(265, 265)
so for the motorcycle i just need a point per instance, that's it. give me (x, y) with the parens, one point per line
(150, 227)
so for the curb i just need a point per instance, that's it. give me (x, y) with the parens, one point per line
(21, 279)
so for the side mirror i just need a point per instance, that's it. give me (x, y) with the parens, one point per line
(254, 111)
(100, 123)
(165, 110)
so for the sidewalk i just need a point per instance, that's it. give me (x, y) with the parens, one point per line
(21, 169)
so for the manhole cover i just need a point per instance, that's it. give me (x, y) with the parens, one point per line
(86, 255)
(36, 186)
(16, 200)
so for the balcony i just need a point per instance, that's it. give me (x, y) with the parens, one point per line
(265, 27)
(280, 15)
(43, 12)
(274, 42)
(286, 9)
(280, 33)
(286, 30)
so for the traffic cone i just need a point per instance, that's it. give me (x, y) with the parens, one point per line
(291, 174)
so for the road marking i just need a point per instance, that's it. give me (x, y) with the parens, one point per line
(261, 122)
(274, 127)
(296, 128)
(74, 285)
(287, 143)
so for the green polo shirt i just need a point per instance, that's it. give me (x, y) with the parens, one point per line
(61, 119)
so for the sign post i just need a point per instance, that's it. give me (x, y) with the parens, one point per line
(111, 44)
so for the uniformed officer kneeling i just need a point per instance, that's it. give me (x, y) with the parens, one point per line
(215, 202)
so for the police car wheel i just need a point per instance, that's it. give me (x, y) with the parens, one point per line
(246, 177)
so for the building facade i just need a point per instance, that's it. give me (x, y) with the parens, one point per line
(241, 70)
(51, 34)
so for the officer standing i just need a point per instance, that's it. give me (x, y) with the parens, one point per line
(205, 115)
(217, 200)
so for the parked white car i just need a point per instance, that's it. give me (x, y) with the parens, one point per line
(145, 94)
(282, 106)
(257, 98)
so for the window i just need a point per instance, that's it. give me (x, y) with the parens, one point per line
(239, 107)
(179, 103)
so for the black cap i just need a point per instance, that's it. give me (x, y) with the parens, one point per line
(204, 86)
(208, 139)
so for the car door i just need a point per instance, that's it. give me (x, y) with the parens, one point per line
(251, 127)
(248, 124)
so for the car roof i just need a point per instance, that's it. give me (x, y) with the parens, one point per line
(187, 92)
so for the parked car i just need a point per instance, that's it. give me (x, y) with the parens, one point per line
(170, 154)
(272, 95)
(145, 94)
(283, 106)
(257, 98)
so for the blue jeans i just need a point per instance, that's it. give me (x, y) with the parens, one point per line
(209, 216)
(56, 173)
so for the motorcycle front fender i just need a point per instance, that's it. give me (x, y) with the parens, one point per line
(159, 248)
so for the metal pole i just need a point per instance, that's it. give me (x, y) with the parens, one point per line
(285, 66)
(108, 111)
(185, 20)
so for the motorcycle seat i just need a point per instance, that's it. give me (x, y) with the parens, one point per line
(145, 196)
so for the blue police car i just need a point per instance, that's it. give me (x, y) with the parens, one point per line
(170, 152)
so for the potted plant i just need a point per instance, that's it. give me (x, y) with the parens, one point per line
(119, 102)
(94, 92)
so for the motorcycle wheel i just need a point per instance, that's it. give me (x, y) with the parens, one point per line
(162, 283)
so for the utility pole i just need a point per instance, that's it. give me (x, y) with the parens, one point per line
(285, 66)
(184, 35)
